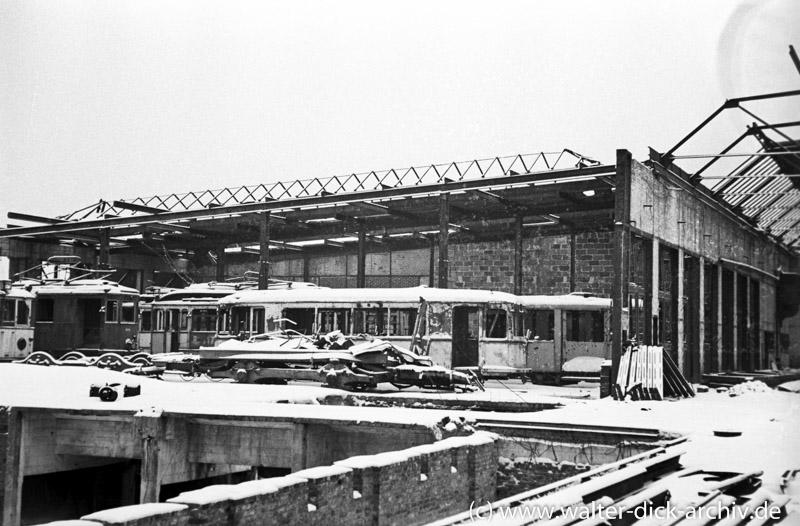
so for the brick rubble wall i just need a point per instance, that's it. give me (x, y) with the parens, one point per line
(413, 486)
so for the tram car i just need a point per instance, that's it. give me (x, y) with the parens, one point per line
(186, 319)
(74, 309)
(497, 334)
(567, 336)
(16, 323)
(454, 327)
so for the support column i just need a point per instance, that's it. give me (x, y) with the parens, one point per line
(735, 321)
(518, 256)
(220, 263)
(701, 315)
(680, 344)
(572, 264)
(619, 293)
(719, 319)
(656, 287)
(14, 467)
(104, 249)
(150, 429)
(444, 227)
(361, 272)
(648, 292)
(263, 250)
(432, 262)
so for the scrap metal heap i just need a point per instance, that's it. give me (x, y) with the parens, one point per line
(345, 363)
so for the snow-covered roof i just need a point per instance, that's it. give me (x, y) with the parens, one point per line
(566, 301)
(411, 295)
(82, 287)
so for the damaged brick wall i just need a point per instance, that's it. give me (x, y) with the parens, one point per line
(412, 486)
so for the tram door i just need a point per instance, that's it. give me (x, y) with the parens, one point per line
(92, 322)
(167, 330)
(466, 324)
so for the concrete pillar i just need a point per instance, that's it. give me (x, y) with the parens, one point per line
(518, 256)
(444, 228)
(361, 271)
(14, 467)
(680, 344)
(719, 319)
(656, 268)
(263, 250)
(621, 237)
(432, 262)
(735, 321)
(701, 313)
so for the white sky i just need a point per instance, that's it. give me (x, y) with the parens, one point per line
(112, 100)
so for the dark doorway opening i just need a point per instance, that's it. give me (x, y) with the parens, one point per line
(466, 324)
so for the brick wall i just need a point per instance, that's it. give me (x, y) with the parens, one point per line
(412, 486)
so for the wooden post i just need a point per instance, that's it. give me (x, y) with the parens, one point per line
(518, 255)
(619, 293)
(14, 468)
(361, 271)
(735, 321)
(444, 228)
(104, 244)
(150, 429)
(263, 251)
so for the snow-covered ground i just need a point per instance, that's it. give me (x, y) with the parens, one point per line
(769, 420)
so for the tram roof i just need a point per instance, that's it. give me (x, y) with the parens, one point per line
(376, 295)
(80, 287)
(565, 301)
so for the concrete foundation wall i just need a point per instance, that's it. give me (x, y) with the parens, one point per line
(413, 486)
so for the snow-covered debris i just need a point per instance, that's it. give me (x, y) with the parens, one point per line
(756, 386)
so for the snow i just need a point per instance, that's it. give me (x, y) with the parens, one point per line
(767, 419)
(404, 295)
(77, 522)
(583, 364)
(134, 512)
(322, 472)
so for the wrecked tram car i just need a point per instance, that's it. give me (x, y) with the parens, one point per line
(495, 333)
(16, 324)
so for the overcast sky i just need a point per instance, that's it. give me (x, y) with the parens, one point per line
(109, 100)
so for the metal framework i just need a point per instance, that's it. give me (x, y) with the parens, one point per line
(375, 180)
(765, 186)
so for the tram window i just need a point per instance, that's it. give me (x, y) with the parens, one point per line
(584, 326)
(160, 319)
(495, 323)
(203, 320)
(302, 320)
(23, 313)
(128, 312)
(111, 310)
(402, 322)
(184, 319)
(369, 321)
(8, 312)
(45, 309)
(334, 320)
(146, 321)
(240, 320)
(541, 323)
(258, 321)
